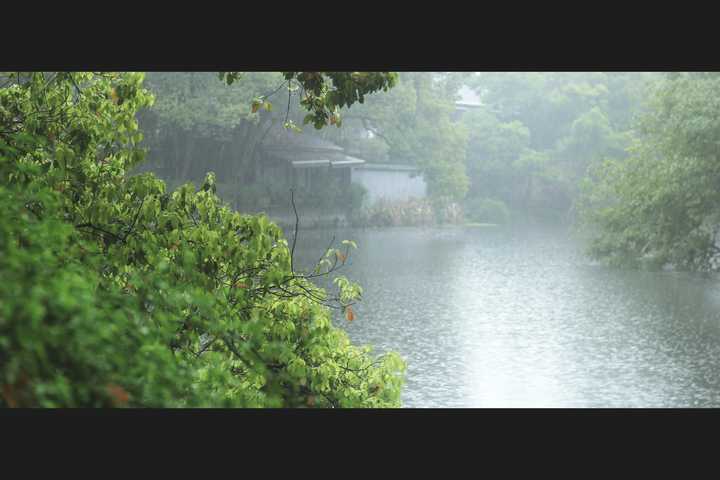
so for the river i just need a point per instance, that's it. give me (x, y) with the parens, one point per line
(518, 317)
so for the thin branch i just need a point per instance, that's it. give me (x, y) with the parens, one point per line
(206, 347)
(268, 95)
(137, 215)
(326, 250)
(287, 113)
(94, 227)
(297, 224)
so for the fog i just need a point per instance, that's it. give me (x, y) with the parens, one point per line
(523, 239)
(501, 147)
(462, 191)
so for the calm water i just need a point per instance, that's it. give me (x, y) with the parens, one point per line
(517, 317)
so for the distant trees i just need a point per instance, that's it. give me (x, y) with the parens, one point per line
(201, 123)
(118, 292)
(661, 206)
(529, 144)
(532, 141)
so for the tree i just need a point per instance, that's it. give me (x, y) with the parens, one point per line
(563, 121)
(414, 120)
(323, 94)
(120, 293)
(493, 150)
(200, 123)
(660, 206)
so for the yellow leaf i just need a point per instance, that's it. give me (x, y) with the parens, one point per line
(114, 96)
(349, 314)
(340, 256)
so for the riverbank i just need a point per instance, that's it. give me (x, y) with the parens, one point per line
(411, 213)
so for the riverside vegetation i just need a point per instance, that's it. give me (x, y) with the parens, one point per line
(118, 292)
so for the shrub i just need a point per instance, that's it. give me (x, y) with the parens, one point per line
(116, 292)
(487, 210)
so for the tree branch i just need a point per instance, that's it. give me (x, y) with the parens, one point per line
(297, 224)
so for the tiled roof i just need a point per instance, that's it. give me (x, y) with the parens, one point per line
(389, 166)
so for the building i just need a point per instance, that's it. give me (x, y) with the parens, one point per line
(287, 165)
(320, 175)
(469, 100)
(303, 162)
(390, 182)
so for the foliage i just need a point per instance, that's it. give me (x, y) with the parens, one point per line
(536, 133)
(487, 210)
(200, 124)
(325, 93)
(662, 204)
(358, 197)
(415, 121)
(120, 293)
(198, 102)
(386, 213)
(529, 144)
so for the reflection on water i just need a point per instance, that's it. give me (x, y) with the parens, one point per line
(517, 317)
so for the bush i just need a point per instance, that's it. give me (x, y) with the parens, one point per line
(358, 197)
(118, 293)
(395, 213)
(487, 210)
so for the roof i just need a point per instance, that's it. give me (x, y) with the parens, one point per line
(468, 97)
(305, 150)
(311, 163)
(348, 161)
(309, 159)
(389, 166)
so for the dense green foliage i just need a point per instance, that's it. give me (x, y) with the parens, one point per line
(323, 94)
(117, 292)
(661, 206)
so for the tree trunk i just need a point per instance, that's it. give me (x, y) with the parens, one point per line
(187, 163)
(528, 192)
(222, 166)
(236, 151)
(256, 135)
(176, 145)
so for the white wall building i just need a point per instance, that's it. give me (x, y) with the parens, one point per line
(390, 182)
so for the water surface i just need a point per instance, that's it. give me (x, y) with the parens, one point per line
(518, 317)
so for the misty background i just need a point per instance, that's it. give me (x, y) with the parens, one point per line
(461, 190)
